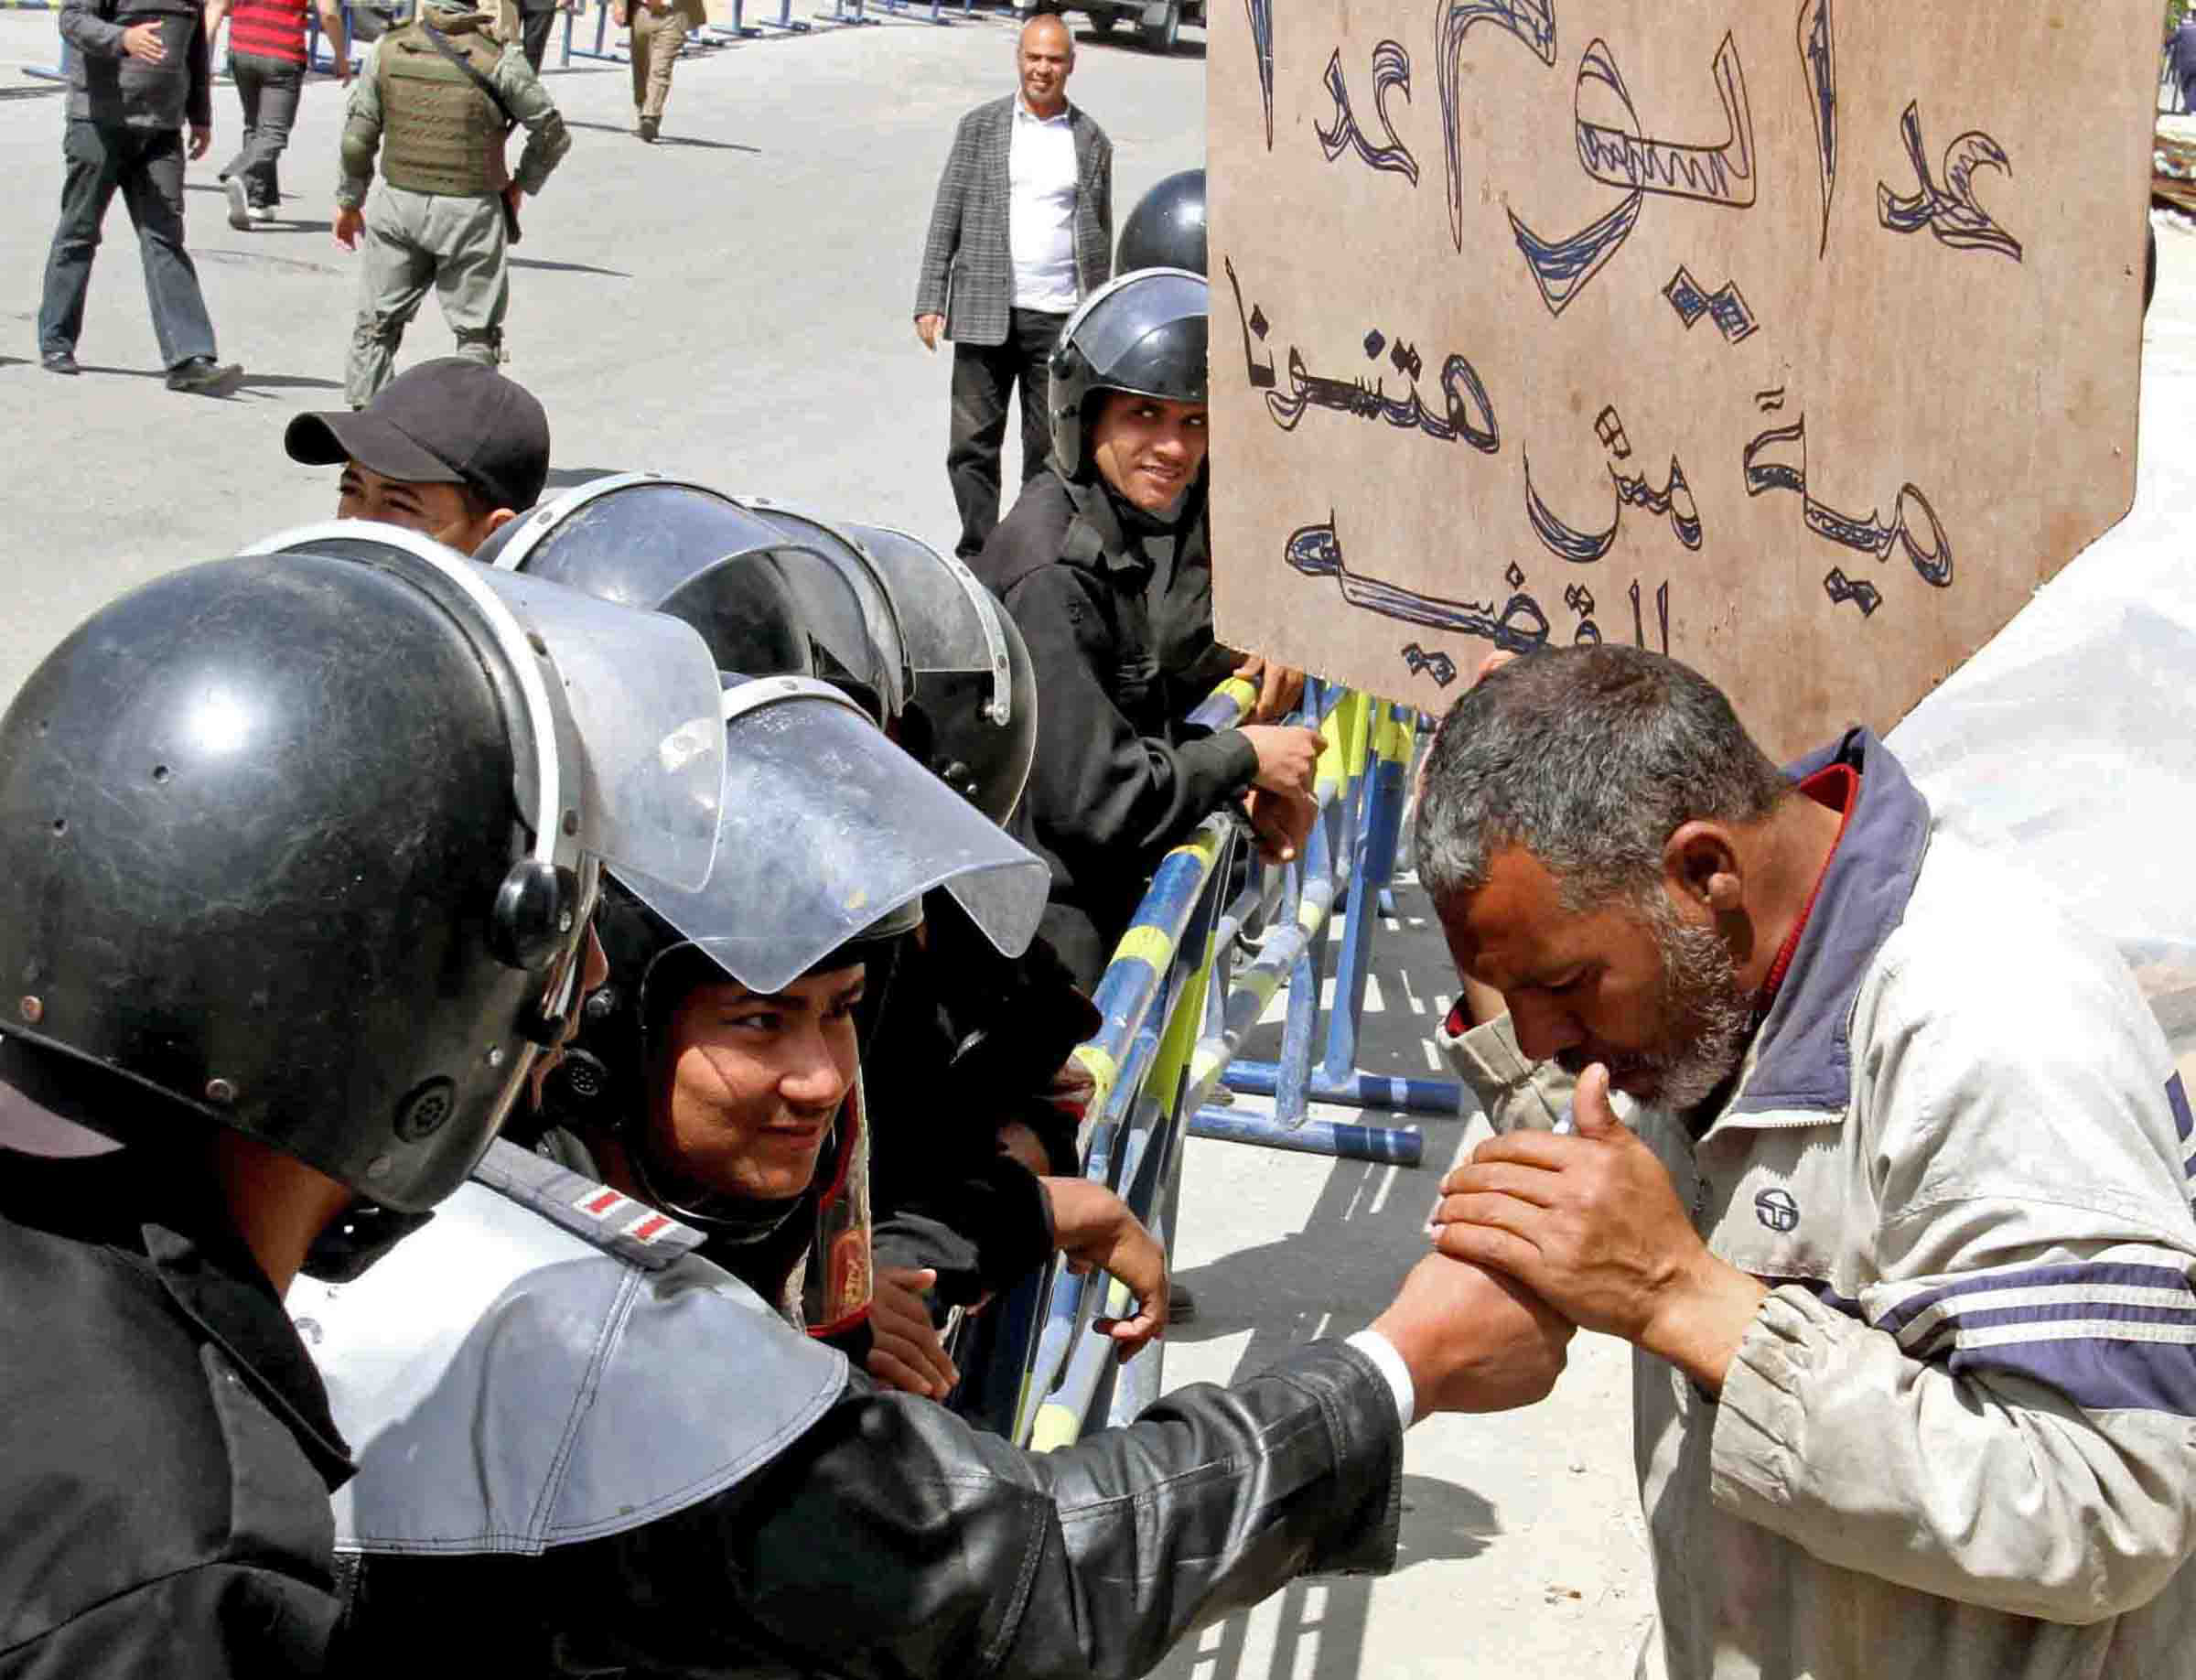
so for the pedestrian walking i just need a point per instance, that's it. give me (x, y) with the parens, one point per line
(137, 76)
(267, 61)
(528, 23)
(1022, 231)
(659, 30)
(2181, 56)
(438, 108)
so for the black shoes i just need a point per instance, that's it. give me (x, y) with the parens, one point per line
(58, 362)
(203, 376)
(648, 129)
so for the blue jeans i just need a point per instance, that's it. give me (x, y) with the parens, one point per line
(146, 164)
(269, 89)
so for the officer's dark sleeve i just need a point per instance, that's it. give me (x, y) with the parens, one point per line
(216, 1621)
(199, 104)
(82, 27)
(1098, 789)
(982, 1225)
(895, 1540)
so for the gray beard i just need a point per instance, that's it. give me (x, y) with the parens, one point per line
(1710, 1015)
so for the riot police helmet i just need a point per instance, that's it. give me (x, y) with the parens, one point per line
(1142, 334)
(830, 836)
(1166, 229)
(972, 701)
(770, 595)
(303, 842)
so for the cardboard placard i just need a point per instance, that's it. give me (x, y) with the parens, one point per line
(1798, 338)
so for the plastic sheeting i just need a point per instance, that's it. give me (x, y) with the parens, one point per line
(2068, 744)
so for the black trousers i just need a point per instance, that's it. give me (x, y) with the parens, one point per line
(268, 89)
(533, 34)
(147, 164)
(985, 376)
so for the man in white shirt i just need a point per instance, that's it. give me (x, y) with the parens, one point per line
(1021, 232)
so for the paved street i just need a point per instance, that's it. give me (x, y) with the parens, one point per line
(734, 305)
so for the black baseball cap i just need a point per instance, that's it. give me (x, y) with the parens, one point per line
(448, 421)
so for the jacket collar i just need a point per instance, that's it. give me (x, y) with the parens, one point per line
(1802, 1056)
(1095, 541)
(1079, 125)
(225, 1294)
(146, 1201)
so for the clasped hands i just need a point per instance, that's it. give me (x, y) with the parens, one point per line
(1585, 1230)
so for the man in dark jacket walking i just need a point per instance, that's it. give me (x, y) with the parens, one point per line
(138, 73)
(1021, 232)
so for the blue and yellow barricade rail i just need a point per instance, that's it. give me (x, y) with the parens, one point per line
(1184, 989)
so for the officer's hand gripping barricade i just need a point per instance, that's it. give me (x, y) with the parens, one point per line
(1181, 995)
(308, 839)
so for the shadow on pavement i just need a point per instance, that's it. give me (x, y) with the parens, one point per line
(1365, 1231)
(566, 268)
(626, 129)
(287, 381)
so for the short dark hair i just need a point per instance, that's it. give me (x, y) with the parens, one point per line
(1589, 758)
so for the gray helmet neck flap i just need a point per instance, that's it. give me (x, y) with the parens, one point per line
(1141, 333)
(312, 834)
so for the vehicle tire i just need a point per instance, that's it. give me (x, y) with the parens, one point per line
(1102, 19)
(1162, 36)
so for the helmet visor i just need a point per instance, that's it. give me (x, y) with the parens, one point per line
(1114, 322)
(827, 829)
(621, 755)
(950, 620)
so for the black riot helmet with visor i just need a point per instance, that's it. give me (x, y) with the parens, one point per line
(831, 835)
(303, 842)
(770, 595)
(1166, 229)
(775, 593)
(1142, 334)
(972, 699)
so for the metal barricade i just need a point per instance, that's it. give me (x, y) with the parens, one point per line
(608, 51)
(41, 72)
(318, 58)
(740, 29)
(1183, 991)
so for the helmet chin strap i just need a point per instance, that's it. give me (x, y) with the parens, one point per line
(740, 1220)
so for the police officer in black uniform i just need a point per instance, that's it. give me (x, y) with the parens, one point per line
(961, 1038)
(585, 1451)
(1118, 779)
(1167, 229)
(295, 876)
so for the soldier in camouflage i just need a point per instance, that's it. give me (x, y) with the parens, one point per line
(438, 105)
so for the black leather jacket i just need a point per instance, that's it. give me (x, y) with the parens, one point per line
(893, 1540)
(168, 1450)
(1118, 779)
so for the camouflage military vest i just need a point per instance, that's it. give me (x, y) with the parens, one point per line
(439, 132)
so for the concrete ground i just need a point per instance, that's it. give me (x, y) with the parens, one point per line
(734, 305)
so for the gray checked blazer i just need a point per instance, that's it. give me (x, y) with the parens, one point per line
(967, 267)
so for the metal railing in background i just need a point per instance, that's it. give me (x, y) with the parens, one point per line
(1190, 979)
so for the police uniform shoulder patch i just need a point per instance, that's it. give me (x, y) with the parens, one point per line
(599, 1216)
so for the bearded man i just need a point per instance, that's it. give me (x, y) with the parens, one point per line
(1897, 1212)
